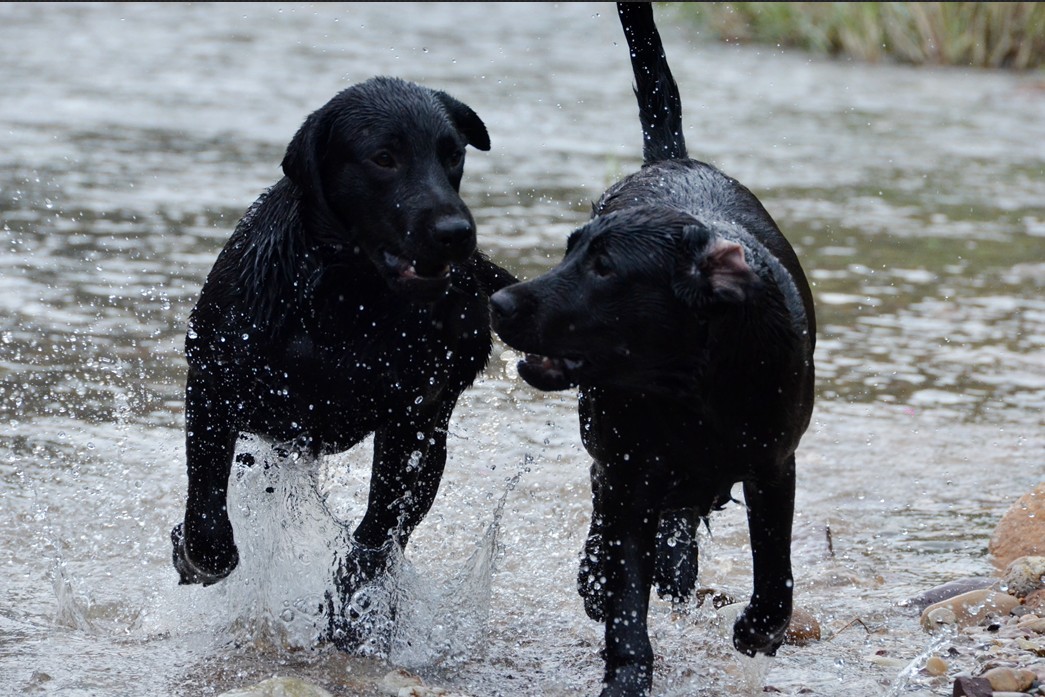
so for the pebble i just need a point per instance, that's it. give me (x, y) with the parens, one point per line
(279, 687)
(1021, 531)
(967, 609)
(1004, 679)
(936, 666)
(1025, 575)
(802, 629)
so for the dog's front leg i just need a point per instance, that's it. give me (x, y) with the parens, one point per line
(204, 547)
(409, 458)
(629, 528)
(770, 510)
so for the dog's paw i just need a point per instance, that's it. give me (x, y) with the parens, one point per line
(631, 680)
(197, 571)
(350, 608)
(675, 569)
(591, 579)
(757, 631)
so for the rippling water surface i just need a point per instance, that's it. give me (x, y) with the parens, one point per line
(132, 138)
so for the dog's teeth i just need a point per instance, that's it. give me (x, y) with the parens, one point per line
(572, 363)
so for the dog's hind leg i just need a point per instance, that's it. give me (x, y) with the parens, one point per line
(629, 550)
(770, 510)
(204, 547)
(675, 573)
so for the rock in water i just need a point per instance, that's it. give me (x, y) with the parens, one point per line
(949, 590)
(279, 687)
(972, 687)
(802, 629)
(967, 609)
(1021, 531)
(1024, 576)
(1004, 679)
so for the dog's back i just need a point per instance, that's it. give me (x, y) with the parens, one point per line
(695, 187)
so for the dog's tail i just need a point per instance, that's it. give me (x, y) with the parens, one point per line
(660, 107)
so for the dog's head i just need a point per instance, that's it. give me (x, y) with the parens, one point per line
(627, 306)
(381, 163)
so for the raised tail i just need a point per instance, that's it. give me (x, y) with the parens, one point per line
(660, 107)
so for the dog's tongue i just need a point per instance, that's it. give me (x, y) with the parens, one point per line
(544, 373)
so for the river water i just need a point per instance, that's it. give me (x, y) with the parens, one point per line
(133, 137)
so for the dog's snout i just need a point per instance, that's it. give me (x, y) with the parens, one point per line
(455, 233)
(504, 304)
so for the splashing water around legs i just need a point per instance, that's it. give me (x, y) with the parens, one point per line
(288, 519)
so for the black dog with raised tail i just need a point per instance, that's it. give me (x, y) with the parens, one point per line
(683, 315)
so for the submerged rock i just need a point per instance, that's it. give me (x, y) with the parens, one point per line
(279, 687)
(949, 590)
(802, 629)
(1021, 531)
(967, 609)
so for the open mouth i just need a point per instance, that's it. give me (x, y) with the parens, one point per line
(416, 277)
(549, 373)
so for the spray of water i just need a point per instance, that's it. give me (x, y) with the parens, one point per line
(290, 529)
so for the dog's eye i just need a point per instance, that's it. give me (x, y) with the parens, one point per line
(384, 160)
(602, 266)
(455, 159)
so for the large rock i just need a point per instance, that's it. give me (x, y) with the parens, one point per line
(1021, 531)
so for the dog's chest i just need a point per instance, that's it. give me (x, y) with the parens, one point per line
(386, 355)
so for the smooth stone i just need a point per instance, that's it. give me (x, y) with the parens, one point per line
(936, 666)
(968, 609)
(1032, 623)
(802, 629)
(279, 687)
(400, 683)
(1021, 531)
(972, 687)
(949, 590)
(1005, 679)
(1023, 576)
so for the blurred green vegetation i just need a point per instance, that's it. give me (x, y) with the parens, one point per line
(981, 34)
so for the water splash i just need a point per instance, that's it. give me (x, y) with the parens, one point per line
(289, 531)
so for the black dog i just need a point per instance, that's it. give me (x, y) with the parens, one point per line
(350, 300)
(683, 315)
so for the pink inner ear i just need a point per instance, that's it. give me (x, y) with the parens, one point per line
(727, 269)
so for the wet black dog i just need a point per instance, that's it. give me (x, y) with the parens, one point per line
(685, 318)
(350, 300)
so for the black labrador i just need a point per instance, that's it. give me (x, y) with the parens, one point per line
(349, 300)
(683, 315)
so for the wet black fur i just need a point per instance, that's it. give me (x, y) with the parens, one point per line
(350, 300)
(684, 316)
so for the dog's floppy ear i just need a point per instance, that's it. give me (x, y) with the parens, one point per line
(466, 121)
(711, 268)
(304, 157)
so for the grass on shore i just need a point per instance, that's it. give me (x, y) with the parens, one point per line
(981, 34)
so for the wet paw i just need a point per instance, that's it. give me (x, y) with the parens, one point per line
(756, 631)
(632, 680)
(675, 570)
(349, 605)
(192, 571)
(591, 579)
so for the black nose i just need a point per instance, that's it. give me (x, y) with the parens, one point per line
(454, 233)
(503, 304)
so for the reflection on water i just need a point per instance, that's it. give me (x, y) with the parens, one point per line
(913, 196)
